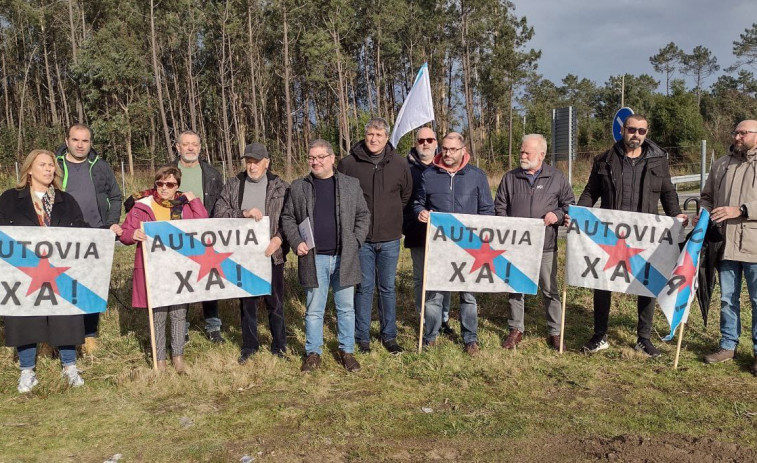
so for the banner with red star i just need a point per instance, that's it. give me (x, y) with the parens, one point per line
(54, 271)
(483, 253)
(675, 299)
(206, 259)
(627, 252)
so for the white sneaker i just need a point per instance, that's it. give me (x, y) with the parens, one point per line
(27, 381)
(72, 374)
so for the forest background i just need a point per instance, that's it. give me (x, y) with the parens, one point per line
(284, 73)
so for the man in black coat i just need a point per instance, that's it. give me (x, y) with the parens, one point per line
(204, 180)
(632, 176)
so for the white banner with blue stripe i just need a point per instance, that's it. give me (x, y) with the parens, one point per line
(675, 299)
(483, 253)
(54, 271)
(206, 259)
(627, 252)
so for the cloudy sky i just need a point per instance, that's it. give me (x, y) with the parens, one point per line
(599, 38)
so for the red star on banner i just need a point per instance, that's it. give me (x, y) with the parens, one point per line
(483, 255)
(686, 270)
(620, 252)
(210, 260)
(43, 273)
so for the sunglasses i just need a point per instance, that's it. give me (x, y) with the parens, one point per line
(632, 130)
(427, 141)
(168, 185)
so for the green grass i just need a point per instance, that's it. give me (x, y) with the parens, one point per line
(501, 406)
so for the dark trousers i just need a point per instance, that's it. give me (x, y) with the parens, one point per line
(91, 323)
(275, 304)
(602, 300)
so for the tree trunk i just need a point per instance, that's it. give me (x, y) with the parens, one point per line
(252, 61)
(8, 114)
(224, 104)
(20, 139)
(158, 83)
(66, 115)
(49, 77)
(287, 95)
(344, 127)
(467, 85)
(79, 105)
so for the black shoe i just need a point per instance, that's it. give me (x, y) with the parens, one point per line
(186, 339)
(646, 346)
(364, 347)
(215, 337)
(244, 356)
(393, 347)
(595, 344)
(447, 330)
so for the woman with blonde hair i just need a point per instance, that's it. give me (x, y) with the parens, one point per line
(37, 201)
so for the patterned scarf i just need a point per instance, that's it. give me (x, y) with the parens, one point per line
(44, 207)
(176, 205)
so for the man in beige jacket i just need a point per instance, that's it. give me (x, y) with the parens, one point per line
(730, 194)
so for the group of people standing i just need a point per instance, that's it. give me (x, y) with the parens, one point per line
(359, 210)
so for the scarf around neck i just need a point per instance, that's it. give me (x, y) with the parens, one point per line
(176, 205)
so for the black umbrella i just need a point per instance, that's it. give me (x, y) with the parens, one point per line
(708, 263)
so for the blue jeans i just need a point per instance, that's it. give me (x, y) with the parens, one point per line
(418, 255)
(327, 272)
(432, 317)
(378, 263)
(730, 272)
(27, 356)
(210, 314)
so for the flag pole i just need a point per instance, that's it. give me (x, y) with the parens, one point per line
(678, 348)
(150, 315)
(562, 315)
(423, 285)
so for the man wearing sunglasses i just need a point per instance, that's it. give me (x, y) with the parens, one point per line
(205, 182)
(731, 197)
(631, 176)
(419, 159)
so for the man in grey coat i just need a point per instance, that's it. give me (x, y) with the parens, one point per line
(330, 209)
(539, 191)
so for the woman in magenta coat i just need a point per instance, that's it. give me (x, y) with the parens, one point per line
(163, 202)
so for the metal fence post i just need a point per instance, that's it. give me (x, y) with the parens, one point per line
(17, 177)
(703, 167)
(123, 178)
(223, 163)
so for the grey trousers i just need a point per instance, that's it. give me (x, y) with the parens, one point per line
(178, 316)
(418, 254)
(550, 297)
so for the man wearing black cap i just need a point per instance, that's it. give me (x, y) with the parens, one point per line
(253, 193)
(205, 182)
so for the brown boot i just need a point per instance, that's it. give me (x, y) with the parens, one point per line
(161, 365)
(721, 355)
(349, 362)
(554, 342)
(471, 349)
(178, 364)
(513, 339)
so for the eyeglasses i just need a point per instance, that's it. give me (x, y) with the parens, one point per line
(632, 130)
(743, 133)
(451, 150)
(168, 185)
(427, 141)
(318, 158)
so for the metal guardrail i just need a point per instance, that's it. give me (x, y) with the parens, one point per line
(694, 178)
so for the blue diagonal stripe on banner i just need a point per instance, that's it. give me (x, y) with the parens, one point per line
(86, 300)
(655, 280)
(693, 249)
(247, 281)
(516, 279)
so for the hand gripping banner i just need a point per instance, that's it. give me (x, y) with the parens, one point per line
(54, 271)
(483, 253)
(206, 259)
(627, 252)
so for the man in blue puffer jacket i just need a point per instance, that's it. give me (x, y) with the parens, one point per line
(453, 185)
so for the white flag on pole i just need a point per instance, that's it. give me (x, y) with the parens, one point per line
(417, 109)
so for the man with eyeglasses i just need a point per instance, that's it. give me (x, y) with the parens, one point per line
(333, 206)
(456, 186)
(419, 159)
(252, 194)
(205, 182)
(730, 194)
(540, 191)
(631, 176)
(387, 186)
